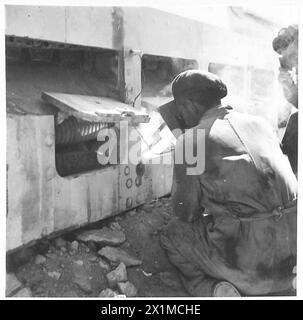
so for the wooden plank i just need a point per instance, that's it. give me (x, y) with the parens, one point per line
(95, 109)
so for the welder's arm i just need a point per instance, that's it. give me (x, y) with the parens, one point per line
(186, 194)
(186, 190)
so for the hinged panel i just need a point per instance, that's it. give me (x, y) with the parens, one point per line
(95, 109)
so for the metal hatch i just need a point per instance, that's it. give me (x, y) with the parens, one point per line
(94, 109)
(83, 118)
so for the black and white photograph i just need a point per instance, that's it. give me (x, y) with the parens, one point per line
(151, 150)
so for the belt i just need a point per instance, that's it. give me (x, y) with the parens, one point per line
(277, 213)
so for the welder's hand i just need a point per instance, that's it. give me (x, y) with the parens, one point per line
(294, 281)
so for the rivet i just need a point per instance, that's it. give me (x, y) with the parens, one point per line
(129, 183)
(126, 170)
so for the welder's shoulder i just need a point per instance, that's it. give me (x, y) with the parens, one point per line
(255, 122)
(200, 134)
(218, 131)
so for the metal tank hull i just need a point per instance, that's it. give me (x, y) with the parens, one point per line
(42, 203)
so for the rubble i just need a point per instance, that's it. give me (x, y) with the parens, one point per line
(54, 274)
(104, 236)
(108, 293)
(63, 249)
(12, 284)
(115, 226)
(148, 208)
(81, 279)
(90, 278)
(104, 265)
(79, 262)
(158, 204)
(84, 284)
(127, 288)
(117, 275)
(132, 213)
(23, 255)
(40, 259)
(24, 293)
(91, 246)
(70, 293)
(74, 246)
(147, 274)
(92, 259)
(51, 255)
(59, 243)
(119, 255)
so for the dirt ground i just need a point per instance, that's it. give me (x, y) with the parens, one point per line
(60, 264)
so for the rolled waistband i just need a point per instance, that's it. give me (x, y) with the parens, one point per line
(277, 213)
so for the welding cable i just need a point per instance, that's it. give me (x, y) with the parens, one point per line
(142, 83)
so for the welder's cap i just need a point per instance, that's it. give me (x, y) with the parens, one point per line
(207, 84)
(285, 37)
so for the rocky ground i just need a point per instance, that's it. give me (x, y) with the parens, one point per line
(120, 255)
